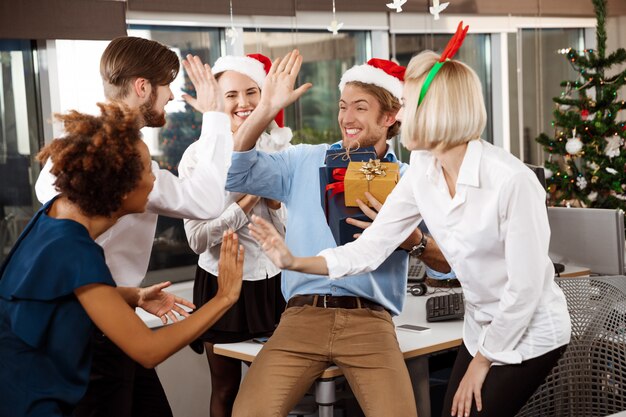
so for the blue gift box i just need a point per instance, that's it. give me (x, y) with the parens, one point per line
(340, 158)
(334, 206)
(336, 211)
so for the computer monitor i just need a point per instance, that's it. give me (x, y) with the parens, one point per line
(588, 237)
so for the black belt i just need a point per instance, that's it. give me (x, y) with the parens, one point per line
(331, 301)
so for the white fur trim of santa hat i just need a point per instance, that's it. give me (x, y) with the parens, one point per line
(243, 65)
(370, 75)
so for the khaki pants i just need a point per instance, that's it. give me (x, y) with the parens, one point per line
(361, 342)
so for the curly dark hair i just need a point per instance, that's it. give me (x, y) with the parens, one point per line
(97, 162)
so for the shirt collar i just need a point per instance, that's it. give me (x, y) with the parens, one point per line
(469, 172)
(390, 155)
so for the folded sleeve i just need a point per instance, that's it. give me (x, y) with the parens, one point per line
(200, 196)
(524, 217)
(262, 174)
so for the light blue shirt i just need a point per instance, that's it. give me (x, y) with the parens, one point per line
(292, 177)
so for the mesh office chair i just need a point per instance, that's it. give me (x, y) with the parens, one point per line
(590, 379)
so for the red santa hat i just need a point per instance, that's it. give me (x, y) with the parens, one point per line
(255, 66)
(380, 72)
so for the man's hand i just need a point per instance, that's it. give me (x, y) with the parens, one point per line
(370, 212)
(278, 89)
(163, 304)
(272, 242)
(208, 92)
(470, 387)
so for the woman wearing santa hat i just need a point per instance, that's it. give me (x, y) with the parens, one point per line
(261, 302)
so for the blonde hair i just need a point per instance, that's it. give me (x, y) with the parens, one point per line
(452, 111)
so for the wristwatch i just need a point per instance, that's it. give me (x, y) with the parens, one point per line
(417, 250)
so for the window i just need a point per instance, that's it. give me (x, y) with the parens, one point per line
(541, 70)
(171, 258)
(475, 52)
(313, 118)
(20, 135)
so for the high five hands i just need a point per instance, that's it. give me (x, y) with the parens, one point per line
(208, 94)
(278, 89)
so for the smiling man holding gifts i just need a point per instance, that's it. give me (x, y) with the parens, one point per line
(329, 321)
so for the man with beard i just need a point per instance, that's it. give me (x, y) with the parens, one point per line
(137, 72)
(344, 322)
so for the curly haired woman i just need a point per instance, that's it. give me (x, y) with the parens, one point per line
(55, 284)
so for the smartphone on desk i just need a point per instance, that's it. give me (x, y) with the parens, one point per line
(413, 328)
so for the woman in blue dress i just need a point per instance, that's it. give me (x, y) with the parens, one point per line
(55, 285)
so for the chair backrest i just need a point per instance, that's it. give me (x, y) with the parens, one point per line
(590, 379)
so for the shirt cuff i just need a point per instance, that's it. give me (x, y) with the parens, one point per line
(335, 269)
(506, 357)
(235, 217)
(431, 273)
(215, 122)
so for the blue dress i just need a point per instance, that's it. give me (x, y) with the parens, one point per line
(45, 356)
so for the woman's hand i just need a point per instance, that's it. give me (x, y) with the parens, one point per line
(230, 268)
(162, 304)
(208, 94)
(470, 387)
(271, 242)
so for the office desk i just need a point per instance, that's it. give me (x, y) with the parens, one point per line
(415, 347)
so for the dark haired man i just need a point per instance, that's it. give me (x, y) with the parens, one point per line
(346, 322)
(137, 73)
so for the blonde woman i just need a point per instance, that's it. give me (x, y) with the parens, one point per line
(486, 210)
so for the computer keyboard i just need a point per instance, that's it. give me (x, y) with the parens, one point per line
(445, 307)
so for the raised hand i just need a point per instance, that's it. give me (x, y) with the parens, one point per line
(163, 304)
(230, 268)
(272, 243)
(278, 89)
(208, 94)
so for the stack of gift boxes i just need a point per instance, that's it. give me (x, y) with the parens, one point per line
(346, 176)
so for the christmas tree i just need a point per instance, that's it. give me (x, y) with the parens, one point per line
(586, 165)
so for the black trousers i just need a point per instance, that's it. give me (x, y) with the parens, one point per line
(506, 388)
(119, 386)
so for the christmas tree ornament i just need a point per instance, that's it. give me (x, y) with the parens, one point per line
(613, 145)
(396, 5)
(581, 183)
(437, 8)
(335, 26)
(593, 166)
(231, 33)
(610, 170)
(584, 114)
(592, 196)
(574, 144)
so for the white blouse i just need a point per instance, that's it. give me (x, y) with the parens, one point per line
(205, 237)
(495, 235)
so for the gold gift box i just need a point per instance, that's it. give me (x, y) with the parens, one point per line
(379, 178)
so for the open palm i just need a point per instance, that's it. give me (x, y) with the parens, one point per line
(272, 242)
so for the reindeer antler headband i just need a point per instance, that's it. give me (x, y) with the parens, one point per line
(453, 46)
